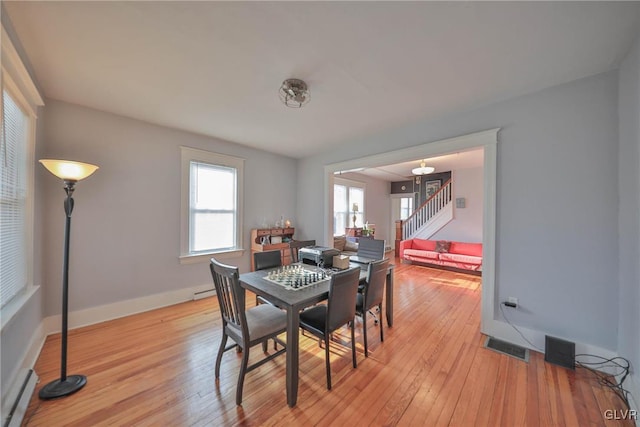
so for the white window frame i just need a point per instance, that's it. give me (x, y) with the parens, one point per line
(18, 83)
(189, 155)
(352, 184)
(411, 208)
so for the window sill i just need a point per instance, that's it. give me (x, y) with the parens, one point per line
(9, 311)
(206, 257)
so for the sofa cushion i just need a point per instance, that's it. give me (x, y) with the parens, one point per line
(350, 246)
(474, 249)
(415, 253)
(466, 259)
(425, 245)
(442, 246)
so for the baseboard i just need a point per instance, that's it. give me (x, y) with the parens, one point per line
(102, 313)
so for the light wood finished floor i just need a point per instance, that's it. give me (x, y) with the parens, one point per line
(156, 369)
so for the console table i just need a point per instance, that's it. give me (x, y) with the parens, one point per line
(262, 239)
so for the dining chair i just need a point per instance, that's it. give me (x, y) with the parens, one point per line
(369, 248)
(323, 319)
(264, 260)
(371, 296)
(246, 328)
(295, 245)
(267, 259)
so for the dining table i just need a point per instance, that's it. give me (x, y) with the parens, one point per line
(295, 300)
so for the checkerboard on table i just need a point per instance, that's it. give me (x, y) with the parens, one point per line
(295, 277)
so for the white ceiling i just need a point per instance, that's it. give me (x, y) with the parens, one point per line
(449, 162)
(214, 68)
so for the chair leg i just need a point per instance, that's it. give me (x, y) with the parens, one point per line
(328, 362)
(364, 333)
(243, 371)
(381, 333)
(223, 343)
(264, 346)
(353, 343)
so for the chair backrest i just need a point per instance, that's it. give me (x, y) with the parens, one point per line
(374, 286)
(370, 248)
(231, 296)
(267, 259)
(341, 306)
(295, 246)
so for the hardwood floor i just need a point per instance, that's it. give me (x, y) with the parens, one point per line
(156, 368)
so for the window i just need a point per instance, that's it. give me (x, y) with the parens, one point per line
(14, 191)
(20, 99)
(212, 202)
(348, 200)
(406, 207)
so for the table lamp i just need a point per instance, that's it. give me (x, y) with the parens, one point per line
(355, 210)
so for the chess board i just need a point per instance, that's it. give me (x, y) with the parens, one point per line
(296, 277)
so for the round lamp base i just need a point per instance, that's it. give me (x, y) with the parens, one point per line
(57, 388)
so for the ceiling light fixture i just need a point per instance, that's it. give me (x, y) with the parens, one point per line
(423, 169)
(294, 93)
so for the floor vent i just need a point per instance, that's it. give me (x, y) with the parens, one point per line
(509, 349)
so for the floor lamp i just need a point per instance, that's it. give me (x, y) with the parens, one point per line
(70, 172)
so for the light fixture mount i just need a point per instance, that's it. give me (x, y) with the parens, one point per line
(294, 93)
(423, 169)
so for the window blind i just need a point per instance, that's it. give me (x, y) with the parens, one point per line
(13, 198)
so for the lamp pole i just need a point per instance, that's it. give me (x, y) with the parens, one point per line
(65, 385)
(71, 173)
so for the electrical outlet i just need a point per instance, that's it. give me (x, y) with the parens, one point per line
(513, 300)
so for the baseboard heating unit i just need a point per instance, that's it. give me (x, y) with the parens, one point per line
(19, 408)
(507, 348)
(204, 294)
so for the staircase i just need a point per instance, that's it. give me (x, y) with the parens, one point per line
(426, 220)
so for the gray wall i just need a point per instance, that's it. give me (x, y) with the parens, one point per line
(557, 203)
(629, 222)
(126, 222)
(466, 225)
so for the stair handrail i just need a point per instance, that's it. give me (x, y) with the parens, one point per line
(426, 211)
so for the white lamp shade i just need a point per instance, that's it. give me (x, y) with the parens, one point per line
(69, 170)
(423, 169)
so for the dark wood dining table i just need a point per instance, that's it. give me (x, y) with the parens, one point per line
(293, 301)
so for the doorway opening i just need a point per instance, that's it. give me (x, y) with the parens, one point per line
(487, 140)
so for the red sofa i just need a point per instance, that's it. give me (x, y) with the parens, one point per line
(459, 255)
